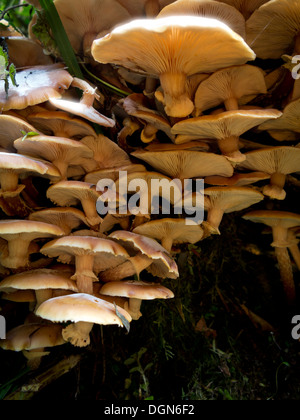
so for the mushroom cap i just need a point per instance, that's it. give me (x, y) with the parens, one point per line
(28, 229)
(246, 7)
(34, 86)
(233, 82)
(32, 52)
(137, 290)
(81, 307)
(22, 165)
(53, 122)
(54, 149)
(224, 125)
(272, 29)
(33, 336)
(232, 199)
(107, 253)
(112, 173)
(10, 129)
(82, 110)
(197, 146)
(176, 229)
(107, 153)
(136, 8)
(66, 218)
(173, 45)
(40, 279)
(271, 160)
(70, 193)
(289, 121)
(82, 19)
(162, 266)
(209, 9)
(238, 180)
(185, 164)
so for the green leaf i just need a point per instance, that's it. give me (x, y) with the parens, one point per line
(29, 134)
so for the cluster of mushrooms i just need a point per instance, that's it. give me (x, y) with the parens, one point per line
(192, 92)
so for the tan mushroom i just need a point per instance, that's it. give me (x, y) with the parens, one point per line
(60, 151)
(171, 49)
(42, 281)
(136, 291)
(228, 86)
(11, 128)
(171, 232)
(277, 162)
(222, 200)
(146, 254)
(246, 7)
(61, 124)
(280, 222)
(19, 234)
(112, 173)
(237, 180)
(34, 86)
(226, 128)
(71, 193)
(91, 255)
(66, 218)
(83, 311)
(32, 53)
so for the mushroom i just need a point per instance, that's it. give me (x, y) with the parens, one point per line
(32, 53)
(209, 9)
(246, 7)
(11, 128)
(149, 8)
(33, 340)
(42, 281)
(85, 107)
(84, 311)
(107, 154)
(226, 128)
(171, 232)
(171, 49)
(186, 164)
(71, 193)
(273, 29)
(277, 162)
(60, 151)
(228, 86)
(90, 255)
(223, 200)
(66, 218)
(34, 86)
(19, 234)
(61, 124)
(136, 291)
(146, 254)
(293, 235)
(83, 21)
(280, 222)
(237, 180)
(112, 173)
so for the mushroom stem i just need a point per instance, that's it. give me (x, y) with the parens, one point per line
(85, 276)
(231, 104)
(230, 149)
(78, 334)
(134, 265)
(149, 133)
(167, 243)
(88, 91)
(42, 296)
(152, 8)
(90, 210)
(18, 253)
(62, 166)
(176, 99)
(133, 308)
(294, 250)
(286, 274)
(297, 44)
(9, 181)
(275, 189)
(214, 218)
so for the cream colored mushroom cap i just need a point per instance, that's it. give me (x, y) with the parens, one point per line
(11, 129)
(173, 44)
(232, 199)
(28, 228)
(137, 290)
(274, 218)
(40, 279)
(81, 307)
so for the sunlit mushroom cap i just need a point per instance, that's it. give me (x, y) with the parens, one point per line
(209, 9)
(11, 129)
(34, 86)
(136, 289)
(81, 307)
